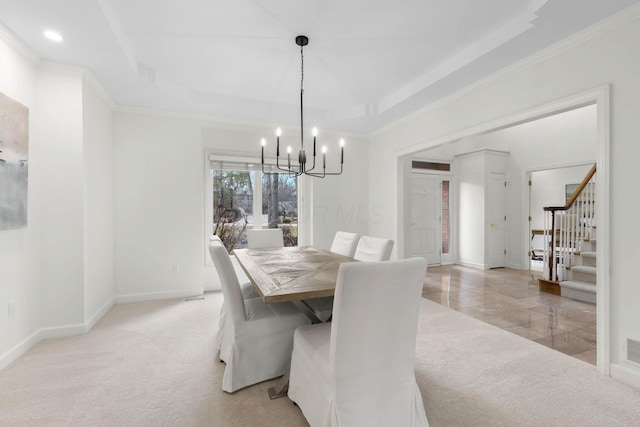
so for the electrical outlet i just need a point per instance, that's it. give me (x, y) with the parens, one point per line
(11, 309)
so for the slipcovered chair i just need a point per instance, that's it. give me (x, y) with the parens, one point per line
(265, 238)
(373, 249)
(345, 243)
(246, 288)
(359, 369)
(258, 337)
(368, 249)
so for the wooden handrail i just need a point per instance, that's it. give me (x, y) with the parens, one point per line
(575, 194)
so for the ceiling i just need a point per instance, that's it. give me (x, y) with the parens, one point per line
(368, 62)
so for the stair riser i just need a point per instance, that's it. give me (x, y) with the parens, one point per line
(579, 276)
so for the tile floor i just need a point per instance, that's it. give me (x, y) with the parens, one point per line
(510, 300)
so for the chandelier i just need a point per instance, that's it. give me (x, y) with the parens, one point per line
(301, 167)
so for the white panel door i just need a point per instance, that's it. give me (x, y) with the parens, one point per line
(426, 230)
(495, 226)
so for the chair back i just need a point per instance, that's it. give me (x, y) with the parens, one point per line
(229, 281)
(373, 355)
(265, 238)
(373, 249)
(345, 243)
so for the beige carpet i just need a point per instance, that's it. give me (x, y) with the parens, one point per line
(152, 364)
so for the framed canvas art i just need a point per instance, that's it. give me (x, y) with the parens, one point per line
(14, 163)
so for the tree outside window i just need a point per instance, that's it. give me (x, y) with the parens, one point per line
(239, 194)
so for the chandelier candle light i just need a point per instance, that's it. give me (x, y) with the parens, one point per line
(301, 167)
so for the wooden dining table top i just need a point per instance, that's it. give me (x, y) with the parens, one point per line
(291, 273)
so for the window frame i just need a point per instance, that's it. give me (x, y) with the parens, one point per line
(209, 158)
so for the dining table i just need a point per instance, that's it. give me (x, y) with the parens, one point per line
(291, 274)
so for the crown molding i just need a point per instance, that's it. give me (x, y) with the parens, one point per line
(598, 29)
(14, 43)
(83, 73)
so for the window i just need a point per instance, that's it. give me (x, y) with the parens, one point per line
(243, 197)
(446, 230)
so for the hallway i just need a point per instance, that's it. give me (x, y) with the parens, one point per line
(510, 300)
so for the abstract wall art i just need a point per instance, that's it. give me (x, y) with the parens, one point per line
(14, 163)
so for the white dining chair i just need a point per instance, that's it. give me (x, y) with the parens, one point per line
(246, 289)
(373, 249)
(345, 243)
(265, 238)
(358, 370)
(258, 337)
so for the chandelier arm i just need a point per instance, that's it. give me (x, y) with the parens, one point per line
(322, 175)
(314, 163)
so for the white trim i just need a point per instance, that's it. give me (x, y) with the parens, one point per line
(98, 315)
(603, 232)
(91, 80)
(472, 264)
(20, 48)
(153, 296)
(207, 208)
(626, 373)
(482, 150)
(601, 97)
(25, 345)
(19, 349)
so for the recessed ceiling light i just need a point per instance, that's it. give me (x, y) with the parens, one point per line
(53, 36)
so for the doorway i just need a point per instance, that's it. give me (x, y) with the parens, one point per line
(430, 217)
(598, 99)
(495, 228)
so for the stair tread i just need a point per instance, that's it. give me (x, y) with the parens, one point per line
(584, 269)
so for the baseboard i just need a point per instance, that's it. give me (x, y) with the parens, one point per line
(150, 296)
(25, 345)
(19, 349)
(98, 315)
(626, 373)
(516, 266)
(472, 264)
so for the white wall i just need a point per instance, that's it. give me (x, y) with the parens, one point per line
(159, 202)
(58, 142)
(548, 189)
(56, 271)
(18, 248)
(584, 63)
(98, 201)
(470, 201)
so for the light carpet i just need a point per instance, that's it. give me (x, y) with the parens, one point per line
(153, 364)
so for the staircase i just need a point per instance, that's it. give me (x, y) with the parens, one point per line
(570, 257)
(582, 276)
